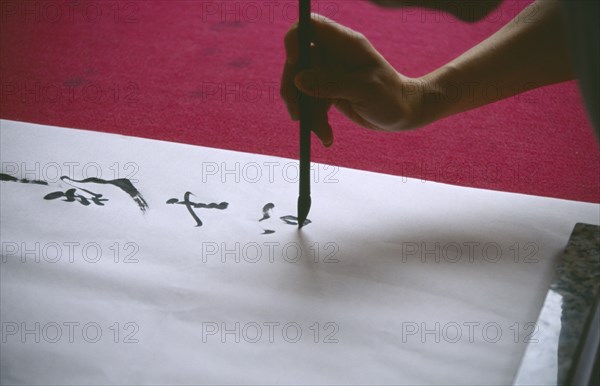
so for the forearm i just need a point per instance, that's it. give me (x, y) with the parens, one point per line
(529, 52)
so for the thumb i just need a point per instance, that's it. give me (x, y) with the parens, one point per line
(326, 84)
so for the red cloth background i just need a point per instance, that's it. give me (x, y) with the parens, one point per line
(207, 73)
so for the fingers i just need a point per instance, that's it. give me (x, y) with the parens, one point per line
(351, 48)
(288, 91)
(328, 84)
(292, 50)
(320, 122)
(324, 86)
(348, 110)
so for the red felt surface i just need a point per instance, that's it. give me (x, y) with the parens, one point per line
(207, 73)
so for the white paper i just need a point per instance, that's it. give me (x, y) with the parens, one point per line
(379, 314)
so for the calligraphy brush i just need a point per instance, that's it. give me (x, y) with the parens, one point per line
(304, 199)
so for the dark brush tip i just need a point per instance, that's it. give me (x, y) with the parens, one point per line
(303, 209)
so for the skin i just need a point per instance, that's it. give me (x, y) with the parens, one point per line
(348, 73)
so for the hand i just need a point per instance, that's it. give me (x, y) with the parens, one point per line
(348, 73)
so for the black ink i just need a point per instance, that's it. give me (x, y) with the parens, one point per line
(122, 183)
(37, 182)
(191, 205)
(293, 220)
(71, 196)
(266, 210)
(8, 177)
(222, 205)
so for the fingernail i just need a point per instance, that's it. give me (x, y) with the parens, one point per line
(293, 111)
(326, 142)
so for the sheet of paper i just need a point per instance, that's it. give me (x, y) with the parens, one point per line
(395, 280)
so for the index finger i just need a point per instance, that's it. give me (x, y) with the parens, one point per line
(288, 91)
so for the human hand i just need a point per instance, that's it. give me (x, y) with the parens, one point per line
(348, 73)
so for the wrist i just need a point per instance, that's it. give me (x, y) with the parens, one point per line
(434, 101)
(421, 97)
